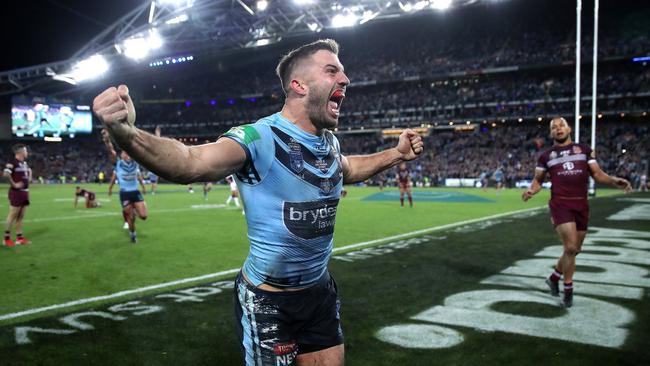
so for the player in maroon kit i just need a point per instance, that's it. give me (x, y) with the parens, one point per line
(19, 175)
(569, 166)
(404, 181)
(91, 201)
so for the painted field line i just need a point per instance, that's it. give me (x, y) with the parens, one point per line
(91, 215)
(235, 270)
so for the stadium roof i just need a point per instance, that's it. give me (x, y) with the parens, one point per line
(161, 28)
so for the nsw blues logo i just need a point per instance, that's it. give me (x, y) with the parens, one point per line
(295, 157)
(326, 186)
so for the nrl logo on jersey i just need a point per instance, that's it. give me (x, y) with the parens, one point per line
(577, 150)
(553, 155)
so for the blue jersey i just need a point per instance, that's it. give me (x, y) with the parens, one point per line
(127, 175)
(153, 178)
(290, 184)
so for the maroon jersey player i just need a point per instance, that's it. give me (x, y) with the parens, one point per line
(18, 174)
(404, 182)
(91, 199)
(569, 166)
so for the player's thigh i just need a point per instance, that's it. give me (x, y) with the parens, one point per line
(333, 356)
(141, 208)
(568, 233)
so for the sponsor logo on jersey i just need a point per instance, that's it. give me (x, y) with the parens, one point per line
(285, 353)
(568, 165)
(321, 165)
(309, 220)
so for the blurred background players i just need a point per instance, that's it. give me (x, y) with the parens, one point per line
(127, 173)
(403, 178)
(89, 196)
(19, 175)
(234, 192)
(207, 187)
(153, 179)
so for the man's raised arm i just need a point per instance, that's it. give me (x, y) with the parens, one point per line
(361, 167)
(167, 158)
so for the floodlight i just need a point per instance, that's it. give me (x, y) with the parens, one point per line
(344, 20)
(89, 68)
(367, 16)
(314, 27)
(441, 4)
(406, 7)
(262, 5)
(303, 2)
(179, 19)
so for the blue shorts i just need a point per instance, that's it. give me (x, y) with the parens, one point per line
(275, 327)
(129, 197)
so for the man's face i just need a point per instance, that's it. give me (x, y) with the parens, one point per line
(560, 130)
(125, 156)
(22, 153)
(326, 81)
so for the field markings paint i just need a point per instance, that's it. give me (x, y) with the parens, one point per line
(235, 270)
(91, 215)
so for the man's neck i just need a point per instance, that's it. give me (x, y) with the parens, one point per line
(19, 158)
(565, 143)
(299, 117)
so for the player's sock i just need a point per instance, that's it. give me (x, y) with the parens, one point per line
(568, 287)
(567, 301)
(7, 234)
(133, 237)
(556, 275)
(401, 201)
(228, 201)
(411, 201)
(237, 201)
(19, 236)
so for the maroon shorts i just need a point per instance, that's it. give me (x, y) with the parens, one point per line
(91, 196)
(567, 210)
(18, 198)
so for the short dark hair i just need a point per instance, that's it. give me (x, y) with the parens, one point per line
(291, 59)
(17, 147)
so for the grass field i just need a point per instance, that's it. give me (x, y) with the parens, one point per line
(403, 273)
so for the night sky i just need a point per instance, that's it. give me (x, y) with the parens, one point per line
(35, 32)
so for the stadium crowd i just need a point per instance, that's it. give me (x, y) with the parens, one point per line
(451, 153)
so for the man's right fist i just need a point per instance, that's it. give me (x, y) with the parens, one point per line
(114, 108)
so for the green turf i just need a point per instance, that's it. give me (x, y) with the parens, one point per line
(80, 257)
(81, 253)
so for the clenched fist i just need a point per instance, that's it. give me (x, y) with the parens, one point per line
(410, 145)
(114, 108)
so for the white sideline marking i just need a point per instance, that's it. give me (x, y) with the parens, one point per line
(235, 270)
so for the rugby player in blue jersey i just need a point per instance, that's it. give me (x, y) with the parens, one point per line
(290, 173)
(127, 173)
